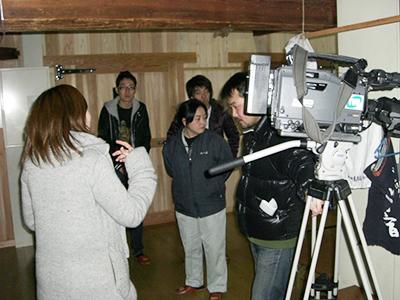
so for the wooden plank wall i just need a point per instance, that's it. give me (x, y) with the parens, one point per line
(160, 85)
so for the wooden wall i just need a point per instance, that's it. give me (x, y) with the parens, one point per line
(162, 63)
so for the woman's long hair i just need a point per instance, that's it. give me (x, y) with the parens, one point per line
(53, 115)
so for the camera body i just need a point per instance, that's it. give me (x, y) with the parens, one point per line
(274, 92)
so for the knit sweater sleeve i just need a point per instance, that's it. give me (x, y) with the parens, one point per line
(27, 210)
(126, 207)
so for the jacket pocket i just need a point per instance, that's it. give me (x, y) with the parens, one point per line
(120, 268)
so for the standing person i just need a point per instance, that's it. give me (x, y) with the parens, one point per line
(199, 199)
(125, 118)
(199, 87)
(75, 203)
(270, 196)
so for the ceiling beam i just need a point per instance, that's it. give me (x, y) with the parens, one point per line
(106, 15)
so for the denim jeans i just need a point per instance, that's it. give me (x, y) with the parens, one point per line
(136, 235)
(272, 270)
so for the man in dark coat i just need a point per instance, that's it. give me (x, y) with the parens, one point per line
(125, 118)
(270, 195)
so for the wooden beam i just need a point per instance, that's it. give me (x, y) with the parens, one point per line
(95, 15)
(362, 25)
(109, 63)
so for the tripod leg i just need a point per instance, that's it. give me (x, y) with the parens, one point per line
(356, 251)
(364, 246)
(317, 247)
(337, 251)
(313, 238)
(298, 248)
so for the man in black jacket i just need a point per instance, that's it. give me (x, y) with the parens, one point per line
(199, 87)
(125, 118)
(270, 196)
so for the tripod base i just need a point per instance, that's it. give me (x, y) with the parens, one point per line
(324, 288)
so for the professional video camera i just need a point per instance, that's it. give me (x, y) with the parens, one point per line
(307, 102)
(318, 107)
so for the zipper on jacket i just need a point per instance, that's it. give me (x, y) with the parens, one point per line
(189, 152)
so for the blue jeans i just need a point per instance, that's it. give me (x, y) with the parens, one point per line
(136, 234)
(272, 270)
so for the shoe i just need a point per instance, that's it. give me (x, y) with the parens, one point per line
(186, 289)
(215, 296)
(143, 259)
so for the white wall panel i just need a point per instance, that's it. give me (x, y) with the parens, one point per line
(380, 46)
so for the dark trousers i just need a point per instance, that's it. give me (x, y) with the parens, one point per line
(136, 233)
(136, 236)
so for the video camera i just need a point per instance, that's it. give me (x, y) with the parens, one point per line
(292, 94)
(317, 107)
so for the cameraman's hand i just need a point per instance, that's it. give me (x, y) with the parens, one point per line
(121, 154)
(316, 206)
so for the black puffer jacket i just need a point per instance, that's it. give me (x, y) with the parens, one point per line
(283, 176)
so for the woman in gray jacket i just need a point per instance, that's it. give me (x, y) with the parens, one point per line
(75, 203)
(199, 198)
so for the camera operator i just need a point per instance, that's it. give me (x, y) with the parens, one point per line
(270, 195)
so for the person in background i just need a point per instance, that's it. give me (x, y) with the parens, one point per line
(74, 202)
(270, 198)
(125, 118)
(199, 87)
(199, 198)
(218, 120)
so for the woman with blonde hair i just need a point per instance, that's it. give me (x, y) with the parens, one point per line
(75, 203)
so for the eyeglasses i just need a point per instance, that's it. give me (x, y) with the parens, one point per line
(126, 88)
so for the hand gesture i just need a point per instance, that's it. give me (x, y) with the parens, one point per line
(121, 154)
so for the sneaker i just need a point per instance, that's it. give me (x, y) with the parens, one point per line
(186, 289)
(143, 259)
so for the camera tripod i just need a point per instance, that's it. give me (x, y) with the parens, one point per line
(329, 191)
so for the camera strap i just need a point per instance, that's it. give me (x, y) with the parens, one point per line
(300, 58)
